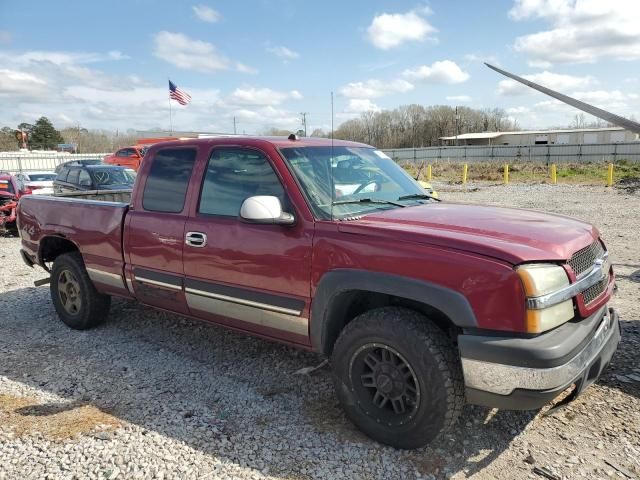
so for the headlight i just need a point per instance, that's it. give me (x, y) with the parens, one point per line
(542, 279)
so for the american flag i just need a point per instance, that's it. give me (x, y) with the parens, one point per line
(178, 95)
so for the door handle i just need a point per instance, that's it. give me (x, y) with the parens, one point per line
(195, 239)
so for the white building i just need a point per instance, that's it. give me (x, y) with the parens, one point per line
(545, 137)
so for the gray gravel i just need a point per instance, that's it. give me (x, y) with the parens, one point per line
(152, 395)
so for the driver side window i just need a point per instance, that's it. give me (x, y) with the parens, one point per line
(233, 175)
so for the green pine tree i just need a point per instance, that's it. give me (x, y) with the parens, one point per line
(44, 136)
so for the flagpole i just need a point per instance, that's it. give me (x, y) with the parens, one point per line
(170, 119)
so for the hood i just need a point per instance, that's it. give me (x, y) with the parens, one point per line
(509, 234)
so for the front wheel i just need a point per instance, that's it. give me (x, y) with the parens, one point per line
(76, 300)
(398, 377)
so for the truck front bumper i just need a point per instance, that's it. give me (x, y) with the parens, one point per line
(527, 373)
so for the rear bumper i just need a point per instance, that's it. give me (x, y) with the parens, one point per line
(527, 373)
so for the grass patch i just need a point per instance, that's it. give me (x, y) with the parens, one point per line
(55, 421)
(526, 172)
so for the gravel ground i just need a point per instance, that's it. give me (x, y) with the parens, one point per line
(152, 395)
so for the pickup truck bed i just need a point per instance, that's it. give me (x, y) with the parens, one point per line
(332, 247)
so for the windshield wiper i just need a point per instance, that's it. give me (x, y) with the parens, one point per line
(418, 196)
(368, 200)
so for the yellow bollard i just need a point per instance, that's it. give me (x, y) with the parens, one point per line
(429, 176)
(610, 175)
(506, 174)
(465, 169)
(554, 174)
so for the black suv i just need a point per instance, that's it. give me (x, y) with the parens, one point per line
(77, 178)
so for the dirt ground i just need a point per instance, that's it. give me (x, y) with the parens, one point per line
(153, 395)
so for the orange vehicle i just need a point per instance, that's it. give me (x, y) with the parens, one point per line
(131, 157)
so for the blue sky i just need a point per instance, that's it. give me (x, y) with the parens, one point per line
(105, 64)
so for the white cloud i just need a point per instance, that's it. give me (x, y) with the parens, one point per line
(61, 86)
(360, 105)
(188, 53)
(444, 71)
(478, 57)
(555, 81)
(205, 13)
(261, 96)
(283, 52)
(518, 110)
(581, 31)
(5, 37)
(390, 30)
(265, 117)
(459, 98)
(242, 68)
(117, 55)
(375, 88)
(17, 83)
(607, 99)
(60, 68)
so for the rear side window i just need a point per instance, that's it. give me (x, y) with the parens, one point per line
(168, 179)
(73, 176)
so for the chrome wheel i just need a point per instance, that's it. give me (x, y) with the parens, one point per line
(69, 292)
(386, 386)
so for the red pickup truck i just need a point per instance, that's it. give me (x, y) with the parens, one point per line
(420, 305)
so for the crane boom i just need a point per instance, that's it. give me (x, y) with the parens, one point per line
(585, 107)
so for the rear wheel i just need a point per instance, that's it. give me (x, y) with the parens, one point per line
(76, 300)
(398, 377)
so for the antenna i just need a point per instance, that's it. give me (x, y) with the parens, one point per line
(333, 188)
(303, 119)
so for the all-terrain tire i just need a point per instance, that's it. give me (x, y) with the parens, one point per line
(76, 300)
(398, 343)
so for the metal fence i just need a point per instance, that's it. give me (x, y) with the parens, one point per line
(31, 162)
(555, 153)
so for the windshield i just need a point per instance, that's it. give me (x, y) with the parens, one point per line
(41, 177)
(109, 177)
(363, 179)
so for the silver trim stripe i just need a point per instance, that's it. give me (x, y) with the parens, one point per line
(250, 314)
(156, 283)
(242, 301)
(106, 278)
(599, 270)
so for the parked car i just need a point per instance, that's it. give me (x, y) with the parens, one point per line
(129, 157)
(78, 163)
(40, 183)
(420, 305)
(426, 186)
(11, 190)
(93, 177)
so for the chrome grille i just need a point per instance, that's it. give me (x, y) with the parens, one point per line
(582, 261)
(594, 291)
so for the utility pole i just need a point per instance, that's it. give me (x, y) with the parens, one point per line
(234, 126)
(456, 126)
(304, 121)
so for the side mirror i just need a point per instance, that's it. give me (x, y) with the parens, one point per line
(265, 209)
